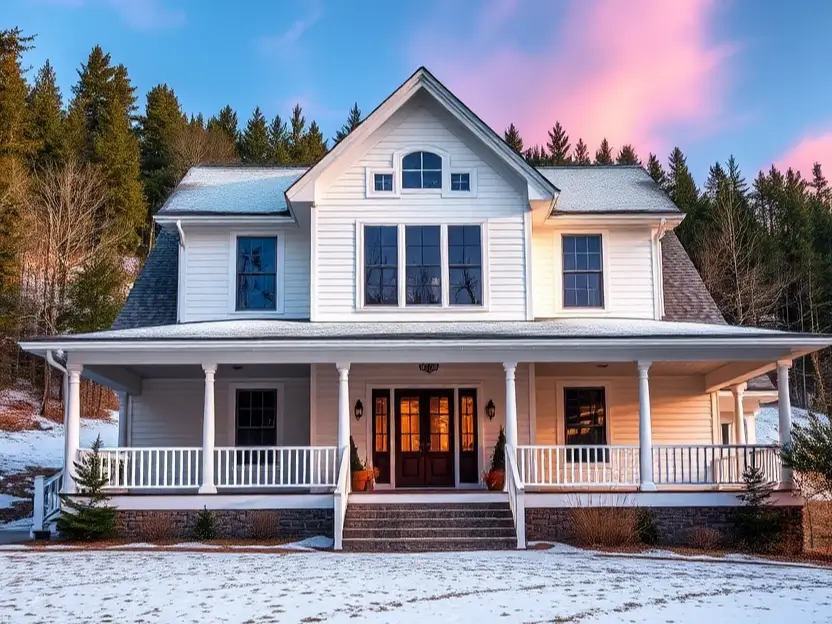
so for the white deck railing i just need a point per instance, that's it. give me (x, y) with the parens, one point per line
(276, 467)
(149, 468)
(712, 464)
(516, 496)
(578, 465)
(342, 492)
(47, 500)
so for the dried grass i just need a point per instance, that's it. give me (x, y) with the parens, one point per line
(817, 526)
(609, 526)
(156, 527)
(264, 525)
(704, 538)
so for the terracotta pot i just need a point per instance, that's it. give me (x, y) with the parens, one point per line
(495, 479)
(362, 480)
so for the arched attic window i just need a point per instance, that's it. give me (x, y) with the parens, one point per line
(422, 170)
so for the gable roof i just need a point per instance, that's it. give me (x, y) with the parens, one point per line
(607, 188)
(685, 296)
(232, 190)
(422, 79)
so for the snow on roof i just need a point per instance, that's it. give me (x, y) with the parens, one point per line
(561, 328)
(613, 188)
(232, 190)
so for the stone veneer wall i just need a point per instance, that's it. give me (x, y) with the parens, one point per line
(230, 523)
(673, 524)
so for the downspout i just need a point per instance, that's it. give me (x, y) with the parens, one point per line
(182, 233)
(180, 278)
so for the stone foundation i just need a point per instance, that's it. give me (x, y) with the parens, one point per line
(230, 523)
(673, 524)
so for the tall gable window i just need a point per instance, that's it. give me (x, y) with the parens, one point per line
(256, 273)
(465, 264)
(422, 170)
(583, 275)
(424, 265)
(381, 262)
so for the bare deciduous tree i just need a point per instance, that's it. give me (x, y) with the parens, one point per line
(195, 145)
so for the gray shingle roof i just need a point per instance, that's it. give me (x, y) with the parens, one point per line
(152, 300)
(685, 295)
(238, 190)
(613, 188)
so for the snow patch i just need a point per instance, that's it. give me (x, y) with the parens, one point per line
(767, 423)
(136, 545)
(6, 500)
(318, 542)
(199, 545)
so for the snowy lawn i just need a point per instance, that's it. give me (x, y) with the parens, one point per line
(531, 586)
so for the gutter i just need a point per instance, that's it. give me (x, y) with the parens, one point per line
(181, 233)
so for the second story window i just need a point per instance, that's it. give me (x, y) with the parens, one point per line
(383, 182)
(424, 265)
(465, 264)
(461, 182)
(256, 273)
(422, 170)
(381, 265)
(583, 275)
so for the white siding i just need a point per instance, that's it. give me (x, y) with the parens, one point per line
(499, 204)
(209, 281)
(628, 272)
(488, 379)
(680, 410)
(169, 412)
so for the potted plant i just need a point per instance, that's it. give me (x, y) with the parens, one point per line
(495, 477)
(362, 476)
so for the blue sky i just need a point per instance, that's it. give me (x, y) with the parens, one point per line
(744, 77)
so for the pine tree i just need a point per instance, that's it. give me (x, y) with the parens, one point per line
(558, 145)
(513, 138)
(162, 122)
(254, 142)
(656, 171)
(681, 187)
(314, 145)
(353, 119)
(819, 183)
(627, 156)
(536, 156)
(47, 116)
(296, 134)
(96, 293)
(498, 457)
(87, 517)
(206, 527)
(715, 181)
(604, 154)
(581, 155)
(279, 142)
(226, 122)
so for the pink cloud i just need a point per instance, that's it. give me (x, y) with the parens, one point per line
(628, 71)
(804, 154)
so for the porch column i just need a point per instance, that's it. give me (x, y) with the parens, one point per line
(343, 405)
(511, 404)
(208, 486)
(72, 430)
(122, 418)
(739, 416)
(645, 432)
(784, 403)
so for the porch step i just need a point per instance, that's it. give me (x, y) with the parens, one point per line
(417, 527)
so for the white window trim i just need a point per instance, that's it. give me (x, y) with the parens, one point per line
(255, 384)
(402, 269)
(370, 187)
(560, 309)
(472, 183)
(279, 273)
(562, 384)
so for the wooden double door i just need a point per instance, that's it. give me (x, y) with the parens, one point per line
(425, 437)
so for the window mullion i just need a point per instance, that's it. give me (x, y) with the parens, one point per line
(402, 268)
(444, 269)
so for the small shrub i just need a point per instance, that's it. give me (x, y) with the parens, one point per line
(603, 526)
(206, 526)
(498, 459)
(156, 527)
(264, 525)
(704, 538)
(754, 525)
(646, 528)
(356, 465)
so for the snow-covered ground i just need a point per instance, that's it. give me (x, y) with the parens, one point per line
(530, 586)
(45, 448)
(767, 423)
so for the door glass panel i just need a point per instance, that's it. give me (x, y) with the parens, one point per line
(467, 406)
(440, 424)
(380, 416)
(409, 424)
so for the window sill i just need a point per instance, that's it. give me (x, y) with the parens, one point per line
(434, 309)
(254, 314)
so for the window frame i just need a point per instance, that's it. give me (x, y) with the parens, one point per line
(402, 306)
(370, 187)
(583, 382)
(255, 384)
(560, 308)
(279, 255)
(396, 170)
(363, 268)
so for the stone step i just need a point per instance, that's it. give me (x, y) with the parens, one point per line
(426, 506)
(359, 513)
(438, 522)
(430, 532)
(418, 544)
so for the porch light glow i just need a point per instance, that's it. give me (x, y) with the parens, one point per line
(490, 410)
(359, 409)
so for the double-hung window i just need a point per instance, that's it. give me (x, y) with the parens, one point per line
(381, 265)
(583, 274)
(585, 417)
(256, 273)
(465, 264)
(423, 265)
(256, 423)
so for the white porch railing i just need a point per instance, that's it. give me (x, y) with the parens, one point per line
(516, 496)
(578, 465)
(712, 464)
(276, 467)
(149, 468)
(342, 492)
(47, 500)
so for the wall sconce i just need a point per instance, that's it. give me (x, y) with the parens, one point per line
(359, 410)
(490, 410)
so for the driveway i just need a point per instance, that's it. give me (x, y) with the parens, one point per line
(531, 586)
